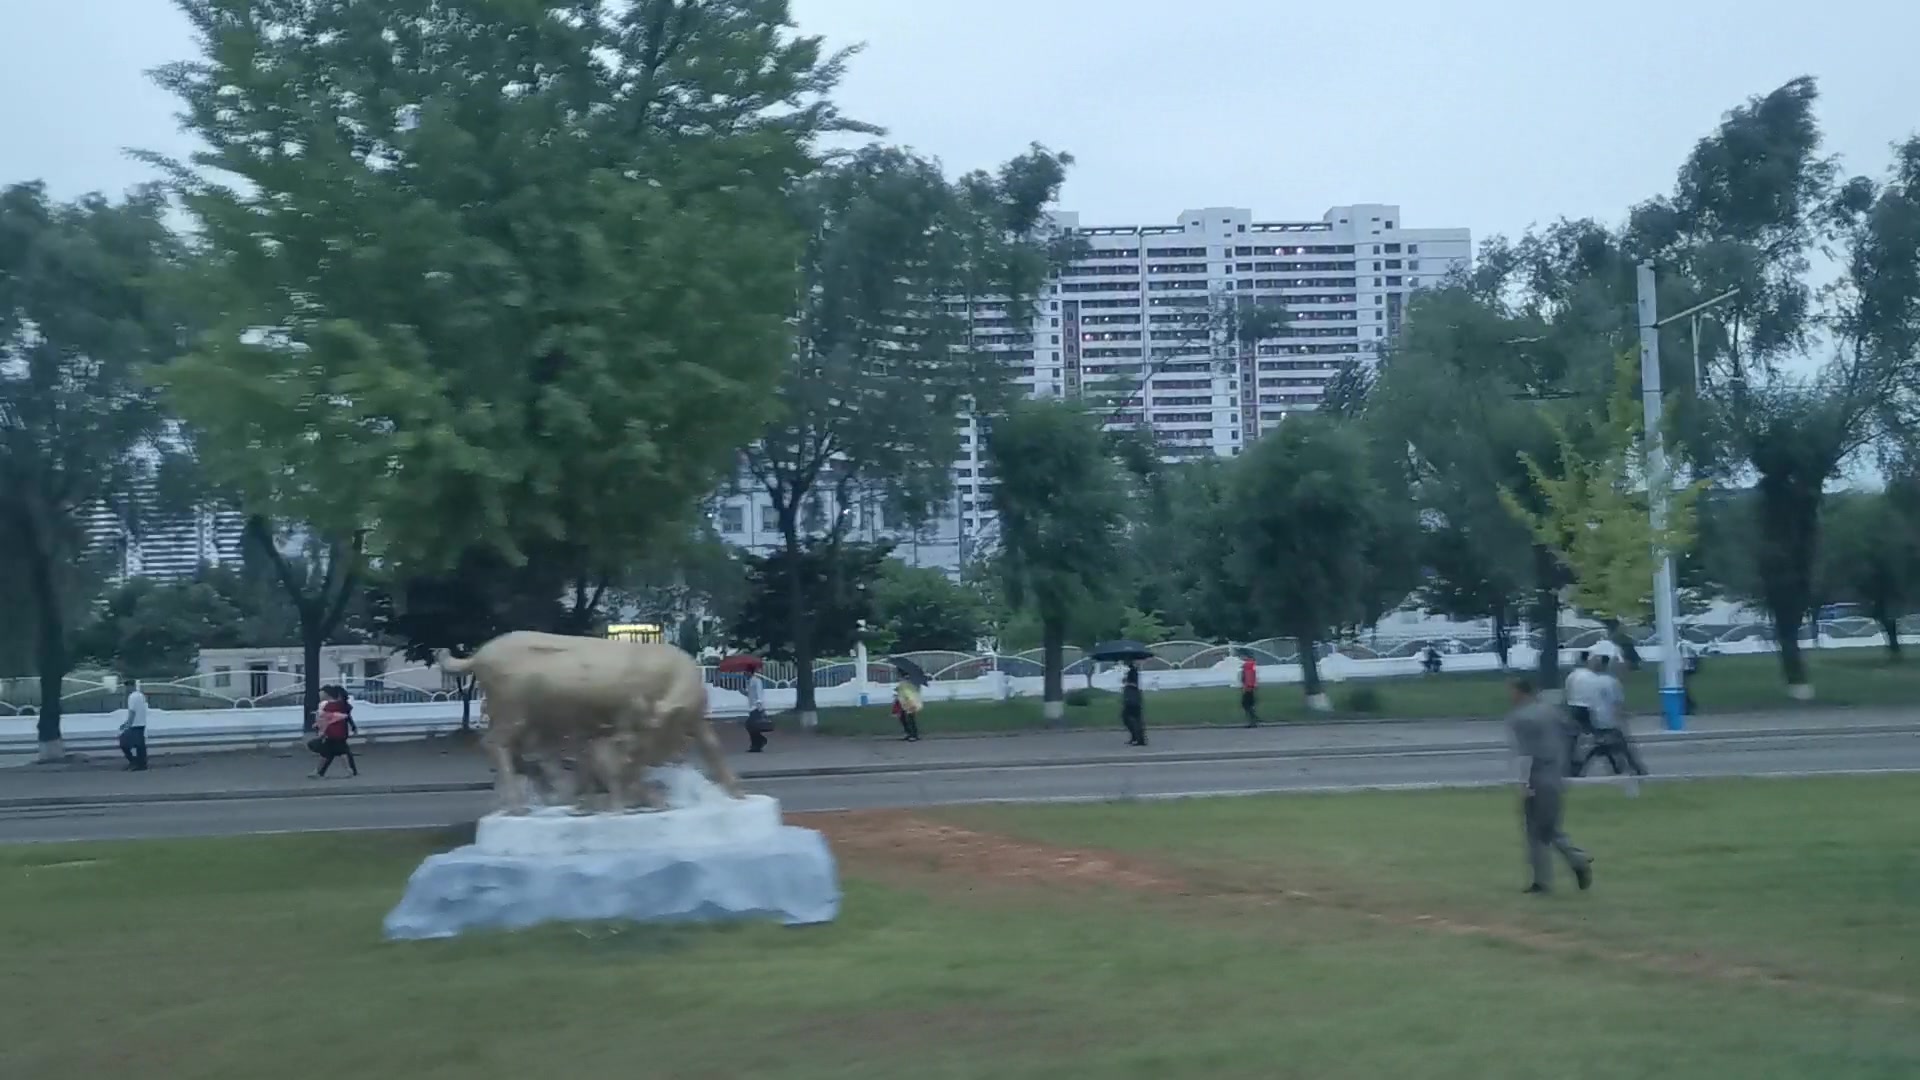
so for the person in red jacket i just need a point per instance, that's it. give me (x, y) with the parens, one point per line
(335, 724)
(1249, 689)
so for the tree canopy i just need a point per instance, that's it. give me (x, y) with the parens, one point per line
(86, 316)
(1062, 509)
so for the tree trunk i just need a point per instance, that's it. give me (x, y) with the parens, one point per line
(1889, 626)
(1310, 673)
(1502, 638)
(312, 636)
(1793, 665)
(797, 627)
(51, 656)
(466, 703)
(1546, 615)
(1053, 651)
(1624, 642)
(1789, 544)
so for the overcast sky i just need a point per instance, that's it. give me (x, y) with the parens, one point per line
(1512, 113)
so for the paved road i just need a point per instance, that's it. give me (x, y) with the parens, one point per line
(1759, 756)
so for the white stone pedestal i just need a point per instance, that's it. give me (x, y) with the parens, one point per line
(707, 857)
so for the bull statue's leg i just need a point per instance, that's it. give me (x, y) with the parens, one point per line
(508, 786)
(716, 759)
(610, 760)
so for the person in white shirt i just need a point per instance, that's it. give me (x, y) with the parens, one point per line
(1583, 685)
(757, 725)
(133, 731)
(1611, 739)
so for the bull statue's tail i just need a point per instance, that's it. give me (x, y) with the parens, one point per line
(452, 664)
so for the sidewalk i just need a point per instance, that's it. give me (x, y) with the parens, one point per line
(455, 763)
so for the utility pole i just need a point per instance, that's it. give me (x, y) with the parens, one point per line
(1659, 490)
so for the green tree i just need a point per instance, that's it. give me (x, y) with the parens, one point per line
(1061, 505)
(1474, 573)
(148, 630)
(84, 315)
(1305, 513)
(1872, 557)
(493, 273)
(1753, 201)
(906, 276)
(924, 609)
(838, 579)
(1472, 389)
(1595, 515)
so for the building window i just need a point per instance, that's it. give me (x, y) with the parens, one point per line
(222, 678)
(733, 519)
(1413, 249)
(1413, 264)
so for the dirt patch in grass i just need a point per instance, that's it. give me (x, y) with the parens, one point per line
(892, 839)
(896, 840)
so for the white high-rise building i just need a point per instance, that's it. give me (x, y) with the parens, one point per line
(166, 546)
(1139, 324)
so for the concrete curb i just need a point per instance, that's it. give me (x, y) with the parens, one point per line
(1178, 757)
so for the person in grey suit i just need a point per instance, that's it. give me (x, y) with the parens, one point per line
(1539, 732)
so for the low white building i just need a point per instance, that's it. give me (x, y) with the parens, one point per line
(263, 670)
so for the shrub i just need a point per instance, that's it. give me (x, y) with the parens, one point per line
(1362, 699)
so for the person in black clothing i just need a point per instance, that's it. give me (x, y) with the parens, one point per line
(1132, 712)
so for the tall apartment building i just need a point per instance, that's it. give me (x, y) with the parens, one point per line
(165, 546)
(1140, 325)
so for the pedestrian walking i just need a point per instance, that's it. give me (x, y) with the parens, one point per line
(1689, 667)
(906, 706)
(1611, 737)
(334, 725)
(1133, 707)
(133, 730)
(1539, 738)
(1249, 690)
(1580, 689)
(757, 723)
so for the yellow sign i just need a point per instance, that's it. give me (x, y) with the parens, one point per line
(636, 632)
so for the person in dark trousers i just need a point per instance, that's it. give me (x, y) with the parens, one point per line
(1582, 683)
(335, 724)
(1249, 690)
(1608, 718)
(906, 705)
(1689, 667)
(1132, 706)
(1538, 731)
(133, 730)
(757, 723)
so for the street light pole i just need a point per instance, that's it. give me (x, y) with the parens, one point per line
(1659, 489)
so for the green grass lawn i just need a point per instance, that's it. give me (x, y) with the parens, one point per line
(1754, 930)
(1729, 684)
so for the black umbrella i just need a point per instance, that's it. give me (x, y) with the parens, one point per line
(1116, 651)
(909, 670)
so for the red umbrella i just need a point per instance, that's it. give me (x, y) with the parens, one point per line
(739, 664)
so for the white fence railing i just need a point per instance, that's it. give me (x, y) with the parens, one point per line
(390, 712)
(841, 678)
